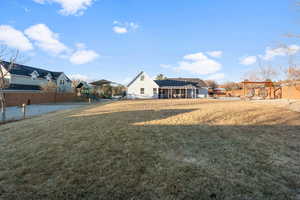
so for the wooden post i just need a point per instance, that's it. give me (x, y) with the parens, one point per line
(186, 93)
(244, 89)
(24, 110)
(171, 93)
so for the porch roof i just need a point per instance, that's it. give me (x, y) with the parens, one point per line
(175, 84)
(179, 87)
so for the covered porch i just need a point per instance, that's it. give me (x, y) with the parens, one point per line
(178, 92)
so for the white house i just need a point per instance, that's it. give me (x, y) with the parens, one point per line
(144, 87)
(21, 77)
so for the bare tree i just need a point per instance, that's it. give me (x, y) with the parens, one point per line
(160, 77)
(232, 86)
(11, 56)
(212, 84)
(264, 72)
(49, 87)
(251, 75)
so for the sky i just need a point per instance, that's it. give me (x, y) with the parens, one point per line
(116, 39)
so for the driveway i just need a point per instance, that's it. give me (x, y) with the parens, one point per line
(15, 112)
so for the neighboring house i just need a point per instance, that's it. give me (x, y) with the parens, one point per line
(25, 78)
(144, 87)
(108, 89)
(84, 88)
(219, 91)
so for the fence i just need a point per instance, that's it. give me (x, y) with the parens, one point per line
(287, 92)
(19, 98)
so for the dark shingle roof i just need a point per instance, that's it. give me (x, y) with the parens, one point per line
(199, 82)
(27, 71)
(101, 82)
(175, 83)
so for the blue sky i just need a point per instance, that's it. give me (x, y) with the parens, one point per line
(115, 39)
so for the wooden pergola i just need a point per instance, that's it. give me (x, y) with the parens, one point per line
(266, 84)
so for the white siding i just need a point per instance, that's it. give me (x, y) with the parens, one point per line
(26, 80)
(66, 86)
(134, 89)
(202, 93)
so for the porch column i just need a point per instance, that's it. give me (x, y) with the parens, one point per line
(171, 93)
(186, 93)
(244, 89)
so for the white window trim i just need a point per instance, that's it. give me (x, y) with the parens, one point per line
(34, 75)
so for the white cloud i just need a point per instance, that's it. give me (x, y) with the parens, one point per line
(133, 25)
(165, 66)
(271, 53)
(14, 38)
(83, 57)
(196, 56)
(26, 9)
(215, 54)
(79, 77)
(216, 77)
(120, 30)
(199, 63)
(70, 7)
(46, 39)
(80, 45)
(249, 60)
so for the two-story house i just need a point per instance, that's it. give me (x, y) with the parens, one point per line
(21, 77)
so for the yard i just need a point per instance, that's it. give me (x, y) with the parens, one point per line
(154, 149)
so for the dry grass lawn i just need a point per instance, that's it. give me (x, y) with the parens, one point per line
(154, 149)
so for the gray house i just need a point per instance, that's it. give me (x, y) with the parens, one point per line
(25, 78)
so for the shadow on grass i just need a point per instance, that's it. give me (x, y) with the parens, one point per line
(106, 156)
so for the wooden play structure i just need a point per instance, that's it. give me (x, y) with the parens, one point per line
(261, 90)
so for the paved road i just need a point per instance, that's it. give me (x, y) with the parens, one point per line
(15, 113)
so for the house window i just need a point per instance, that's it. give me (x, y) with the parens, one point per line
(155, 91)
(142, 90)
(34, 75)
(142, 78)
(62, 82)
(49, 77)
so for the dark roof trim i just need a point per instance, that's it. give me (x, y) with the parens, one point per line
(22, 87)
(135, 78)
(198, 81)
(24, 70)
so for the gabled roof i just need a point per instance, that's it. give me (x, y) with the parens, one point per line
(24, 70)
(101, 82)
(135, 78)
